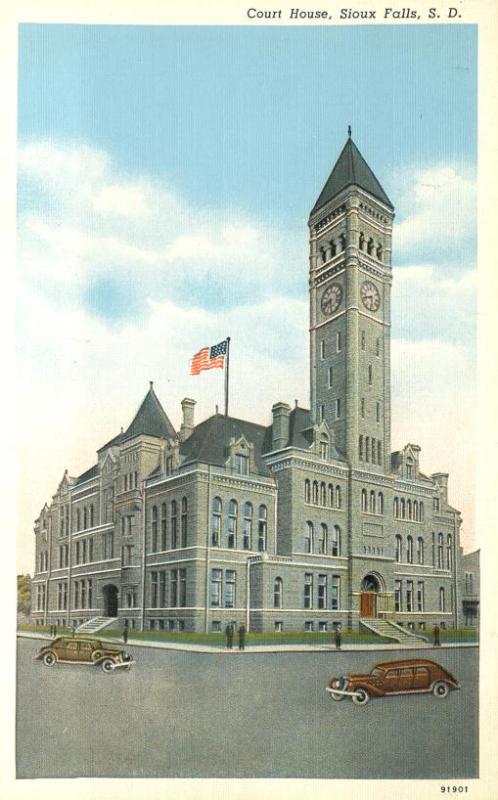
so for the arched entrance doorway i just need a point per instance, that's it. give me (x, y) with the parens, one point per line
(370, 588)
(110, 593)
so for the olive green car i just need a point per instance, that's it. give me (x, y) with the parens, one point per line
(74, 650)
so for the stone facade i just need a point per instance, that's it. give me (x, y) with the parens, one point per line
(299, 525)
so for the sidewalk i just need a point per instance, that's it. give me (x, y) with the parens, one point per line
(263, 648)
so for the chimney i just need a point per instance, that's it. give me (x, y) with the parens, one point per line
(441, 478)
(280, 425)
(187, 425)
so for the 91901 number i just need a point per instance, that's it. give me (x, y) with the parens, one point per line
(454, 789)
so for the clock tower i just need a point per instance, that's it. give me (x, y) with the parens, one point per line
(350, 318)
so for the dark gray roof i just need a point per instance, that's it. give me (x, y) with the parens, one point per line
(208, 443)
(351, 169)
(86, 476)
(150, 419)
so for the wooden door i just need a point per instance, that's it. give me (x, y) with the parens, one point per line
(367, 604)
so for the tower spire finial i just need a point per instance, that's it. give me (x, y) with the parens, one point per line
(349, 131)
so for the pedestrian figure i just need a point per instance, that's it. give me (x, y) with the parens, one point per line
(242, 637)
(55, 630)
(125, 631)
(73, 628)
(337, 638)
(229, 636)
(435, 631)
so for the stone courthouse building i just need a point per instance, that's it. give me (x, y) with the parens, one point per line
(299, 525)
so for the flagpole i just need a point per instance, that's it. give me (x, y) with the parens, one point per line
(227, 368)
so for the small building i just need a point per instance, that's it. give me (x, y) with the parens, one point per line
(470, 590)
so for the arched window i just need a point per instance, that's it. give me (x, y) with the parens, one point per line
(335, 545)
(379, 252)
(216, 521)
(322, 541)
(174, 524)
(324, 445)
(278, 593)
(409, 509)
(153, 529)
(307, 491)
(331, 495)
(421, 511)
(338, 497)
(402, 508)
(323, 494)
(342, 240)
(362, 241)
(308, 537)
(85, 519)
(333, 247)
(315, 492)
(449, 559)
(420, 550)
(360, 447)
(262, 528)
(396, 507)
(232, 524)
(163, 526)
(78, 520)
(91, 516)
(247, 526)
(323, 254)
(415, 510)
(367, 448)
(433, 548)
(370, 246)
(380, 503)
(409, 550)
(374, 450)
(379, 452)
(440, 554)
(364, 500)
(184, 522)
(372, 502)
(442, 599)
(399, 547)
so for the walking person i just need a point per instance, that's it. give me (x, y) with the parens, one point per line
(229, 636)
(337, 637)
(125, 631)
(55, 630)
(242, 637)
(436, 632)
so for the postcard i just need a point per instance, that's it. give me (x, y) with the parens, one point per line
(254, 359)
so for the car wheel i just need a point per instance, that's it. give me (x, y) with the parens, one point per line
(49, 659)
(361, 697)
(107, 665)
(440, 689)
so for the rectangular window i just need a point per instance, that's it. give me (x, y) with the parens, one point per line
(362, 407)
(321, 413)
(76, 594)
(182, 587)
(322, 627)
(363, 338)
(330, 377)
(169, 465)
(309, 626)
(377, 347)
(397, 595)
(338, 408)
(409, 595)
(322, 591)
(162, 589)
(322, 349)
(90, 593)
(338, 341)
(127, 555)
(336, 592)
(90, 549)
(370, 378)
(242, 464)
(216, 583)
(153, 589)
(173, 588)
(279, 626)
(420, 596)
(230, 586)
(377, 412)
(308, 590)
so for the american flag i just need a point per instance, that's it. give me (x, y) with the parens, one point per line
(209, 358)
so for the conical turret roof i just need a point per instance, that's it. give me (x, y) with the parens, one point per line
(351, 169)
(151, 419)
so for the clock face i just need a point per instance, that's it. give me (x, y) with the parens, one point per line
(331, 299)
(370, 296)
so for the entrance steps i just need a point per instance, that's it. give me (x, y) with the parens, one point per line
(96, 624)
(388, 629)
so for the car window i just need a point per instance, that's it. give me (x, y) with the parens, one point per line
(377, 671)
(72, 646)
(392, 673)
(85, 648)
(406, 671)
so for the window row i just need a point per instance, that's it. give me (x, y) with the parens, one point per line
(322, 494)
(370, 246)
(43, 561)
(85, 518)
(130, 481)
(168, 588)
(225, 531)
(40, 596)
(377, 419)
(83, 593)
(410, 596)
(63, 559)
(167, 624)
(322, 591)
(83, 552)
(363, 343)
(64, 520)
(408, 509)
(439, 546)
(407, 555)
(370, 448)
(223, 588)
(372, 502)
(338, 346)
(319, 542)
(168, 527)
(332, 248)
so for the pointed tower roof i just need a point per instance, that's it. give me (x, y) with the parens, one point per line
(151, 419)
(351, 169)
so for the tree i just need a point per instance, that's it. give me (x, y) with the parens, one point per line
(24, 594)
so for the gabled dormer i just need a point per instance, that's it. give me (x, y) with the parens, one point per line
(405, 462)
(170, 456)
(323, 441)
(240, 455)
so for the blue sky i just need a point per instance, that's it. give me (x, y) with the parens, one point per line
(165, 180)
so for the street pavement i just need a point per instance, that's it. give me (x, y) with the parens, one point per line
(187, 714)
